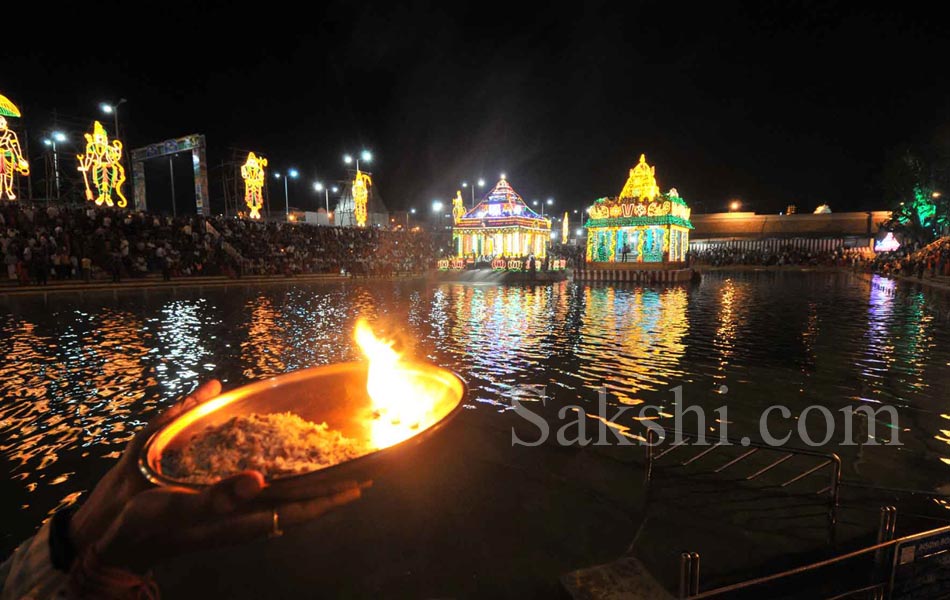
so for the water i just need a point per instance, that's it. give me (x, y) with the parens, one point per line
(79, 375)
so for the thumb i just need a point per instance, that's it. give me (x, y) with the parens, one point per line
(229, 494)
(205, 392)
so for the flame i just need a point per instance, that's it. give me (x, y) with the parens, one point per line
(402, 404)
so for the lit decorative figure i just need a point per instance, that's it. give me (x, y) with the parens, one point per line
(888, 244)
(11, 160)
(102, 163)
(458, 206)
(642, 181)
(252, 172)
(361, 185)
(8, 108)
(565, 229)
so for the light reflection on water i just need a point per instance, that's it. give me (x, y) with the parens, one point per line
(78, 376)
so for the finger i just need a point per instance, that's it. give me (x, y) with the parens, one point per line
(294, 513)
(259, 524)
(205, 392)
(328, 488)
(229, 494)
(185, 506)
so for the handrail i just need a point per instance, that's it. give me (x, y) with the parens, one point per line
(835, 461)
(818, 565)
(796, 571)
(850, 594)
(871, 486)
(671, 433)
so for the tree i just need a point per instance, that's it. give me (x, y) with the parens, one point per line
(920, 212)
(922, 218)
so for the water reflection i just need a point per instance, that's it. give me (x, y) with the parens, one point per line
(184, 344)
(631, 340)
(262, 351)
(70, 399)
(78, 376)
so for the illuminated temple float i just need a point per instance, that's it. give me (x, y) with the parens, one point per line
(500, 235)
(501, 226)
(640, 235)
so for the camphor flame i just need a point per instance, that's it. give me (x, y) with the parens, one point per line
(401, 402)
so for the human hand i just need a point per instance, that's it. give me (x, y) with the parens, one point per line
(132, 524)
(123, 481)
(164, 522)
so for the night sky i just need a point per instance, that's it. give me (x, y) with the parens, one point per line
(771, 103)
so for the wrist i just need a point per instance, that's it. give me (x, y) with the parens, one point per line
(92, 577)
(82, 528)
(95, 515)
(62, 549)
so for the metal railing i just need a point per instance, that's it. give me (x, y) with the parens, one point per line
(828, 460)
(880, 585)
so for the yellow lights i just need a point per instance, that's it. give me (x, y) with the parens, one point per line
(361, 185)
(458, 206)
(640, 225)
(252, 172)
(565, 229)
(656, 208)
(8, 108)
(734, 206)
(501, 225)
(642, 182)
(12, 160)
(101, 168)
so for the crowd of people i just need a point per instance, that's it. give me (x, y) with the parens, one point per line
(575, 254)
(931, 260)
(725, 255)
(90, 242)
(911, 259)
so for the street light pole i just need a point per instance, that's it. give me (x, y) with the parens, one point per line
(113, 109)
(326, 194)
(550, 202)
(290, 173)
(55, 136)
(55, 168)
(286, 200)
(481, 183)
(365, 155)
(437, 208)
(171, 175)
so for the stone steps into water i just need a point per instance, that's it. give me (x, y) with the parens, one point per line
(627, 274)
(497, 276)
